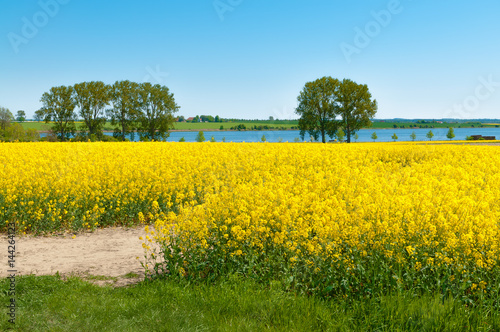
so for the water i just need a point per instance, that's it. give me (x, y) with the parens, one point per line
(384, 135)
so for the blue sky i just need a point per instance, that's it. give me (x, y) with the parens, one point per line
(250, 59)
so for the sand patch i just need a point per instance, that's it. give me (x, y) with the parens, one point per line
(105, 256)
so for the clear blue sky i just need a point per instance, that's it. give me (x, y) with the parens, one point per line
(250, 59)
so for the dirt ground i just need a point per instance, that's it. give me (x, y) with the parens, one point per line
(110, 256)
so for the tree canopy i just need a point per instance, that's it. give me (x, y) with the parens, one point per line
(317, 108)
(59, 106)
(5, 117)
(126, 107)
(92, 99)
(355, 107)
(21, 116)
(157, 105)
(327, 105)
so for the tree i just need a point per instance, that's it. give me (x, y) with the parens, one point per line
(39, 115)
(58, 106)
(92, 98)
(413, 136)
(182, 139)
(321, 102)
(201, 137)
(340, 135)
(263, 138)
(356, 137)
(207, 118)
(355, 106)
(317, 107)
(5, 117)
(374, 136)
(271, 118)
(21, 116)
(14, 132)
(430, 135)
(157, 108)
(394, 137)
(125, 111)
(451, 133)
(217, 119)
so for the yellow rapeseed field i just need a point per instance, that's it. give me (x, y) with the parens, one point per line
(324, 218)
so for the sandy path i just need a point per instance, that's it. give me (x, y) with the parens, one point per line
(110, 253)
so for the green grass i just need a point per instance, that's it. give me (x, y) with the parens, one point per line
(42, 126)
(228, 125)
(48, 303)
(415, 125)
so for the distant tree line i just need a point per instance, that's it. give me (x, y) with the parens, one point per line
(141, 108)
(201, 118)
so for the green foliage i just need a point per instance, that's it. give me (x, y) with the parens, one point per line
(224, 139)
(5, 117)
(92, 98)
(340, 135)
(221, 127)
(126, 107)
(58, 107)
(413, 136)
(157, 108)
(212, 139)
(21, 116)
(317, 108)
(374, 136)
(321, 102)
(355, 106)
(394, 137)
(16, 132)
(239, 127)
(182, 139)
(450, 134)
(356, 137)
(430, 135)
(263, 138)
(200, 137)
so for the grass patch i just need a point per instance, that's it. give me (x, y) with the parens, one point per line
(49, 303)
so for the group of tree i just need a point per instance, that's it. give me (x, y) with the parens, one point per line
(327, 105)
(132, 107)
(12, 132)
(200, 118)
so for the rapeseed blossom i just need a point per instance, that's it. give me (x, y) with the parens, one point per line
(325, 217)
